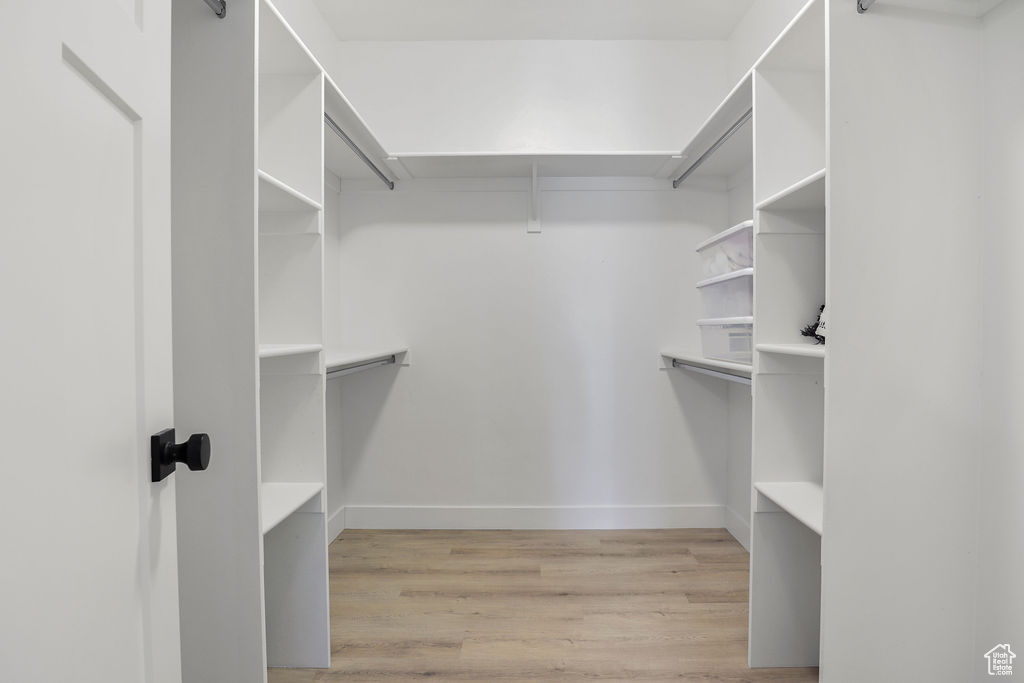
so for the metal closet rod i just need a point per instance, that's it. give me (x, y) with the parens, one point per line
(219, 7)
(714, 148)
(355, 148)
(720, 374)
(358, 367)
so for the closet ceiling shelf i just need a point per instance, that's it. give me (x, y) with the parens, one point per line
(642, 164)
(280, 499)
(339, 158)
(804, 500)
(728, 123)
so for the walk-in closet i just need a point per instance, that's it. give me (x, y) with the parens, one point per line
(533, 340)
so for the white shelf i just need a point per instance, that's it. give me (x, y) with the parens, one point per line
(734, 155)
(278, 500)
(278, 196)
(698, 361)
(804, 500)
(804, 350)
(344, 359)
(643, 164)
(806, 194)
(281, 350)
(338, 157)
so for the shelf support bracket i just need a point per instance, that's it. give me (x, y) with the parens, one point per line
(864, 5)
(219, 7)
(533, 224)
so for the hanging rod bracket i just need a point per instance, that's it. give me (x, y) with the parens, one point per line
(713, 148)
(219, 7)
(333, 125)
(864, 5)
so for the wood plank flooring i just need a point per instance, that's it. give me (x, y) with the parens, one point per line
(667, 604)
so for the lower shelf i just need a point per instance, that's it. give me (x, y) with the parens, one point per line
(804, 500)
(279, 499)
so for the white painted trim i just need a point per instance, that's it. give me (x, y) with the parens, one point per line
(738, 527)
(335, 524)
(534, 517)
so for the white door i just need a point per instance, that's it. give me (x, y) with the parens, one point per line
(88, 566)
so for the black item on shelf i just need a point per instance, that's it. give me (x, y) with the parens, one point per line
(812, 329)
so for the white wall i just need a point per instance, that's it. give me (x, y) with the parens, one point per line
(1000, 465)
(519, 95)
(522, 95)
(471, 96)
(535, 383)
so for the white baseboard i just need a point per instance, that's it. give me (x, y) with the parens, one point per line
(530, 517)
(738, 527)
(335, 524)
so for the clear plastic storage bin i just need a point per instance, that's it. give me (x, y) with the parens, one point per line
(729, 295)
(729, 339)
(728, 251)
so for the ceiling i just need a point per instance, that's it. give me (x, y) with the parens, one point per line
(374, 20)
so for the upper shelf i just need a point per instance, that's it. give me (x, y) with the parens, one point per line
(737, 152)
(652, 164)
(338, 156)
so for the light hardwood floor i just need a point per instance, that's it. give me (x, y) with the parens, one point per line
(667, 604)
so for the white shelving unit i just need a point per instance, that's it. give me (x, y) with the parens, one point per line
(254, 555)
(290, 278)
(719, 158)
(790, 228)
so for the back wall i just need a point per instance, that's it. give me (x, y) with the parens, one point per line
(535, 394)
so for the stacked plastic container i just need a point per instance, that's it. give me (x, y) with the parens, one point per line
(727, 291)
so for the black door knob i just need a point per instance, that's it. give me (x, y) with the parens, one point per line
(165, 454)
